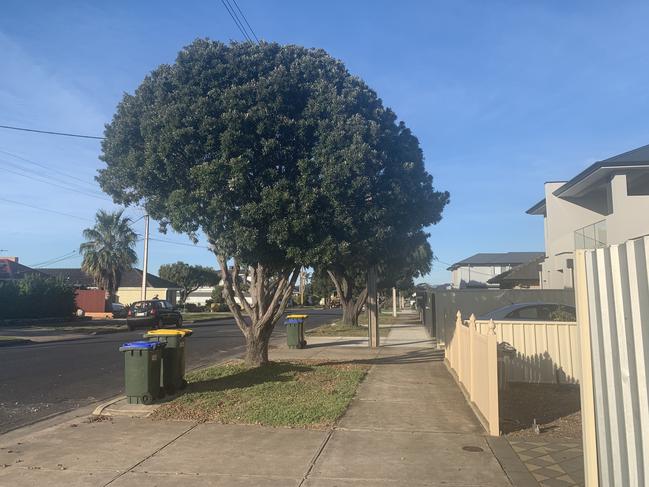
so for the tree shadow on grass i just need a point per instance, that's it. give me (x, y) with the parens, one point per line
(274, 372)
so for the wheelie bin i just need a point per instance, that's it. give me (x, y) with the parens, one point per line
(172, 376)
(142, 371)
(301, 319)
(295, 330)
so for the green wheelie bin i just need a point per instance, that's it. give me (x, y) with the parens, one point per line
(293, 333)
(172, 377)
(142, 371)
(301, 336)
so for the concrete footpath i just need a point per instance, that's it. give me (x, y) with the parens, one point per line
(408, 425)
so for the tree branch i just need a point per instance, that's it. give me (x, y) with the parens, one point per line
(228, 295)
(235, 284)
(334, 278)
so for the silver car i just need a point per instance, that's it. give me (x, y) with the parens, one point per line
(537, 311)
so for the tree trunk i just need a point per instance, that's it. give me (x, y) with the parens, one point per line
(350, 315)
(269, 295)
(351, 306)
(257, 351)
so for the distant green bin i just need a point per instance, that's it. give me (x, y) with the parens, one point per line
(295, 337)
(172, 374)
(142, 371)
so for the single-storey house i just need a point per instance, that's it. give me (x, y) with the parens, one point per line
(12, 270)
(130, 284)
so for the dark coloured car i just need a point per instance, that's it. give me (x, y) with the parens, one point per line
(153, 313)
(118, 310)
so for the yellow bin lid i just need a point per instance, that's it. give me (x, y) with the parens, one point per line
(297, 317)
(163, 332)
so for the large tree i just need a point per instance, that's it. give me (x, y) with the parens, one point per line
(108, 250)
(279, 155)
(189, 277)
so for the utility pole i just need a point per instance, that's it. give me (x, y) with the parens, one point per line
(372, 308)
(302, 285)
(145, 263)
(394, 302)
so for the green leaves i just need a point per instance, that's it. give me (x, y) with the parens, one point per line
(109, 249)
(277, 153)
(189, 277)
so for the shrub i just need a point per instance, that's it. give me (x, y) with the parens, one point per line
(36, 297)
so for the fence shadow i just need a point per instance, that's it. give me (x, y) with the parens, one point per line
(537, 368)
(522, 403)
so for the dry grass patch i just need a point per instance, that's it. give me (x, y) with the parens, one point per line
(300, 394)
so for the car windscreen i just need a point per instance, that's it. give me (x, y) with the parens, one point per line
(141, 306)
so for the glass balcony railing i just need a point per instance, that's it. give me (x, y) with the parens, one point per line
(591, 236)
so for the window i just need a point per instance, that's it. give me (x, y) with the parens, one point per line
(526, 313)
(591, 236)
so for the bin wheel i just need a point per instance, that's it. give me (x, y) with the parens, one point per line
(146, 399)
(130, 326)
(179, 323)
(184, 384)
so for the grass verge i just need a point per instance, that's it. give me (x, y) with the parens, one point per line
(294, 394)
(340, 330)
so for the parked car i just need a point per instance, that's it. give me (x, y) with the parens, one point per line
(118, 310)
(532, 312)
(153, 313)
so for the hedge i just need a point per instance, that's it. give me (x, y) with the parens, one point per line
(36, 297)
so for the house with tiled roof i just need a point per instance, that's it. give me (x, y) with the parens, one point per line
(130, 284)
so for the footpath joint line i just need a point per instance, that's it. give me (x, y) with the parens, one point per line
(151, 455)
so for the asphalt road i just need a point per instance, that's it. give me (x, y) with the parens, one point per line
(39, 380)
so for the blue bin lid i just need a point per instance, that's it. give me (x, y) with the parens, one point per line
(141, 345)
(292, 321)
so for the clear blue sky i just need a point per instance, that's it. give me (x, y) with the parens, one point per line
(503, 96)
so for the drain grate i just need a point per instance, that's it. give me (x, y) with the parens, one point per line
(474, 449)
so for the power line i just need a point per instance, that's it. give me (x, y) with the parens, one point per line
(59, 260)
(44, 209)
(246, 20)
(49, 132)
(233, 14)
(44, 166)
(46, 178)
(54, 259)
(45, 181)
(180, 243)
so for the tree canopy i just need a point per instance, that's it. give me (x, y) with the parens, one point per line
(109, 249)
(189, 277)
(280, 155)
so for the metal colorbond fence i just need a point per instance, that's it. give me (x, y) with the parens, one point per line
(612, 291)
(546, 352)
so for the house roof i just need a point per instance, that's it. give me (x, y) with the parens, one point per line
(10, 269)
(595, 173)
(523, 272)
(504, 258)
(131, 278)
(72, 276)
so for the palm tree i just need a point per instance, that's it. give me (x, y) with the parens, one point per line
(108, 250)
